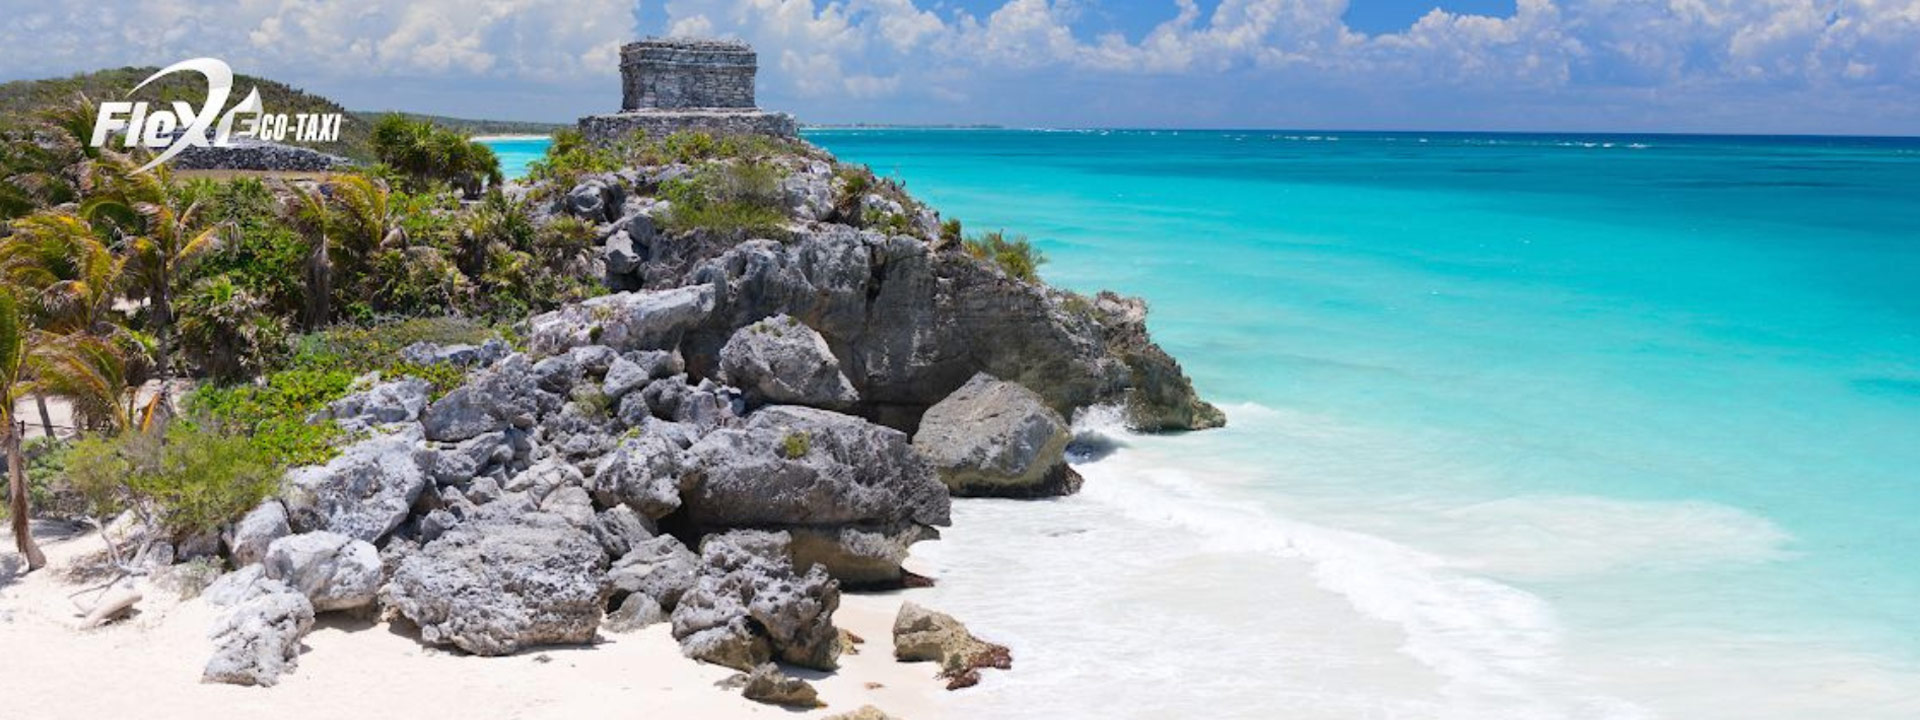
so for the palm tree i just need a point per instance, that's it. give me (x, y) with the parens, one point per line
(365, 222)
(307, 213)
(45, 163)
(68, 279)
(163, 233)
(14, 355)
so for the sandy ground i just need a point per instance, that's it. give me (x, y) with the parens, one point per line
(148, 666)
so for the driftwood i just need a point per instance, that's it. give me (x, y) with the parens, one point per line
(113, 605)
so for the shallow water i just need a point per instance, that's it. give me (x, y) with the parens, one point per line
(1522, 426)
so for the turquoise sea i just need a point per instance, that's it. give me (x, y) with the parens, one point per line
(1522, 426)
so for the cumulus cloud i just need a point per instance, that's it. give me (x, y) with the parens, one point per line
(1685, 64)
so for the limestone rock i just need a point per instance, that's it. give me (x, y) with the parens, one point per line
(364, 493)
(493, 586)
(749, 607)
(388, 402)
(333, 571)
(644, 473)
(647, 320)
(765, 683)
(503, 396)
(996, 438)
(660, 568)
(248, 539)
(865, 712)
(257, 637)
(921, 635)
(854, 494)
(462, 355)
(780, 360)
(637, 612)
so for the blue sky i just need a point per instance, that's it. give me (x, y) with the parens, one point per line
(1786, 66)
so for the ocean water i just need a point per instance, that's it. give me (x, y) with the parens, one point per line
(1521, 426)
(516, 152)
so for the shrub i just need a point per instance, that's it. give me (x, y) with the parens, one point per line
(197, 480)
(796, 445)
(950, 232)
(569, 158)
(226, 330)
(738, 196)
(274, 414)
(442, 378)
(1016, 257)
(428, 155)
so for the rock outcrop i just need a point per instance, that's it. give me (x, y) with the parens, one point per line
(854, 495)
(493, 586)
(256, 637)
(996, 438)
(364, 493)
(781, 361)
(921, 635)
(333, 571)
(248, 538)
(749, 606)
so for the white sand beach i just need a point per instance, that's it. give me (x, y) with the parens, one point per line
(148, 665)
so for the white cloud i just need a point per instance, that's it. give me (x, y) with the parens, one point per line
(828, 57)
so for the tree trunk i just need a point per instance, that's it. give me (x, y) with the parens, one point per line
(17, 507)
(46, 418)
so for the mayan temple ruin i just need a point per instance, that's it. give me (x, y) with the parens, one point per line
(673, 84)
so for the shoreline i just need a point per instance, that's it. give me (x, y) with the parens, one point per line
(150, 664)
(510, 137)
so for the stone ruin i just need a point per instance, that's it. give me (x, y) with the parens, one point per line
(674, 84)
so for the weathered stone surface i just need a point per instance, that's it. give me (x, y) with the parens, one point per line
(333, 571)
(780, 360)
(645, 473)
(637, 612)
(248, 539)
(648, 320)
(661, 123)
(1159, 396)
(596, 199)
(996, 438)
(768, 685)
(660, 568)
(922, 635)
(503, 396)
(493, 586)
(257, 154)
(749, 606)
(463, 355)
(620, 528)
(256, 638)
(364, 493)
(854, 493)
(388, 402)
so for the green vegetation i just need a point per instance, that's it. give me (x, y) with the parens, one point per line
(1015, 256)
(23, 98)
(426, 155)
(190, 482)
(795, 445)
(740, 196)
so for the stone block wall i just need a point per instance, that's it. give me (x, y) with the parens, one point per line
(679, 73)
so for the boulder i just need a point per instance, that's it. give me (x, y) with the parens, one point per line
(333, 571)
(462, 355)
(388, 402)
(596, 200)
(620, 528)
(364, 493)
(505, 395)
(996, 438)
(853, 494)
(780, 360)
(644, 473)
(660, 568)
(768, 685)
(247, 539)
(749, 607)
(257, 636)
(645, 320)
(495, 585)
(637, 612)
(921, 635)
